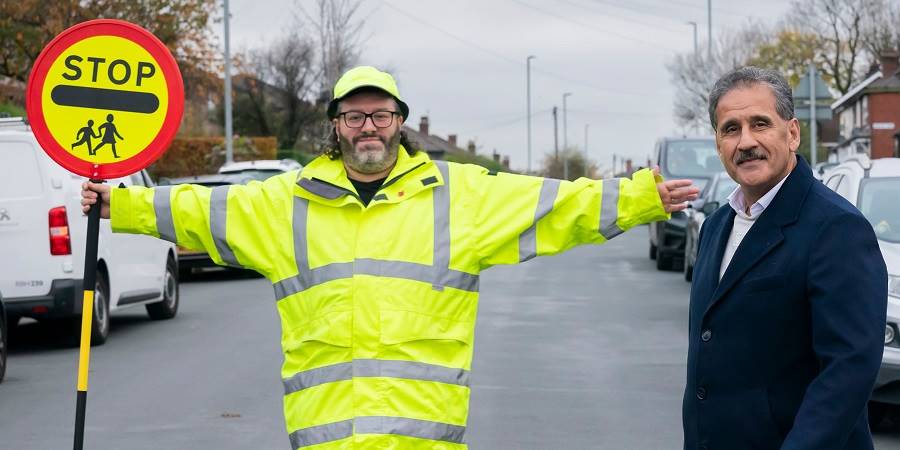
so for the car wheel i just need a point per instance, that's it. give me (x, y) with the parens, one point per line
(168, 306)
(3, 343)
(877, 414)
(663, 261)
(100, 322)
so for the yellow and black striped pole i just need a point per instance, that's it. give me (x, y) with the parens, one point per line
(87, 315)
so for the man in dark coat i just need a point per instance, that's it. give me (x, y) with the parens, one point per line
(789, 299)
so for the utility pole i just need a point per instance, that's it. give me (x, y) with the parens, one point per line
(528, 102)
(229, 148)
(694, 24)
(709, 29)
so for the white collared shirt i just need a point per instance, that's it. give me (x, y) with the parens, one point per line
(742, 221)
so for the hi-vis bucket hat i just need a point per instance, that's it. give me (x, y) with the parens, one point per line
(365, 77)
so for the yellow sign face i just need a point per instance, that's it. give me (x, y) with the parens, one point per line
(105, 99)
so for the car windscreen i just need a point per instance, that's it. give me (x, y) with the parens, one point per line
(723, 189)
(259, 174)
(878, 201)
(20, 175)
(692, 158)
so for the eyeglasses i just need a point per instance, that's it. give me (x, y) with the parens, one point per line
(357, 119)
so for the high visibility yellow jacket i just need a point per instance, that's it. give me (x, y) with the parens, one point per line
(378, 303)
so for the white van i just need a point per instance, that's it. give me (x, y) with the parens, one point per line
(42, 245)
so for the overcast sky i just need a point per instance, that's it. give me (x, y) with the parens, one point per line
(462, 63)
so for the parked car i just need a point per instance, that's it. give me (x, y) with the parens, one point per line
(189, 261)
(681, 157)
(41, 223)
(4, 335)
(874, 187)
(714, 195)
(261, 169)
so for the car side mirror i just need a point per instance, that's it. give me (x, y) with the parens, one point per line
(710, 208)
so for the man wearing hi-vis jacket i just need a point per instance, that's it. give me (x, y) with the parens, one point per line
(374, 252)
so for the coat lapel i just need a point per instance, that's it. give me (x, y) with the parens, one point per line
(766, 234)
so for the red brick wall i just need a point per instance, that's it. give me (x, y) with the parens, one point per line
(884, 107)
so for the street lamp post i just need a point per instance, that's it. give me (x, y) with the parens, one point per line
(528, 102)
(229, 149)
(694, 26)
(709, 29)
(586, 149)
(565, 138)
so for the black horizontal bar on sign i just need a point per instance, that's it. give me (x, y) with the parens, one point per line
(100, 98)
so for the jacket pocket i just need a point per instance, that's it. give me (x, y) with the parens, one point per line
(321, 335)
(420, 337)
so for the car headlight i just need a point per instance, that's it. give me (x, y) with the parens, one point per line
(888, 334)
(894, 286)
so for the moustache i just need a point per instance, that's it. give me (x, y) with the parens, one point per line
(749, 155)
(367, 136)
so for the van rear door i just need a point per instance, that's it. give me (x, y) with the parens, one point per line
(26, 265)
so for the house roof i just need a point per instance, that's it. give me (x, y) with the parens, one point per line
(431, 144)
(854, 93)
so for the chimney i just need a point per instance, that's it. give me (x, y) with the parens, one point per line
(471, 147)
(628, 168)
(496, 156)
(505, 162)
(451, 138)
(889, 63)
(423, 126)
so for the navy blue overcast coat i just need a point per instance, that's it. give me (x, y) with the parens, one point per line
(784, 350)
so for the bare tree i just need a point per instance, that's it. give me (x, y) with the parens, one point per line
(694, 74)
(276, 89)
(881, 33)
(840, 25)
(290, 64)
(339, 38)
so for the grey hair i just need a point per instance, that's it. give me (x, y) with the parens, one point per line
(748, 76)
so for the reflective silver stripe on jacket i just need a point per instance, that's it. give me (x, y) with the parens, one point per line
(366, 368)
(162, 207)
(400, 426)
(609, 209)
(438, 274)
(218, 215)
(528, 239)
(320, 434)
(441, 196)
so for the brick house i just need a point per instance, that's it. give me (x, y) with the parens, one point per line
(868, 116)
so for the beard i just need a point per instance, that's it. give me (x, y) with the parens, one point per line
(370, 157)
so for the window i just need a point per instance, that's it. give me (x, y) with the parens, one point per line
(878, 202)
(692, 158)
(832, 182)
(843, 188)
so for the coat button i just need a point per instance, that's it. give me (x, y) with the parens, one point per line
(706, 336)
(701, 393)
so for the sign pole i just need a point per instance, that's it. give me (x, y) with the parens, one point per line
(87, 315)
(813, 103)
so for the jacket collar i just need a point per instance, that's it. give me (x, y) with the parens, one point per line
(325, 180)
(766, 233)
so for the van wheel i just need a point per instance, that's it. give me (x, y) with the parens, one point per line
(168, 306)
(100, 322)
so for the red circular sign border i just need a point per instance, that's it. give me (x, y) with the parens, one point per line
(125, 30)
